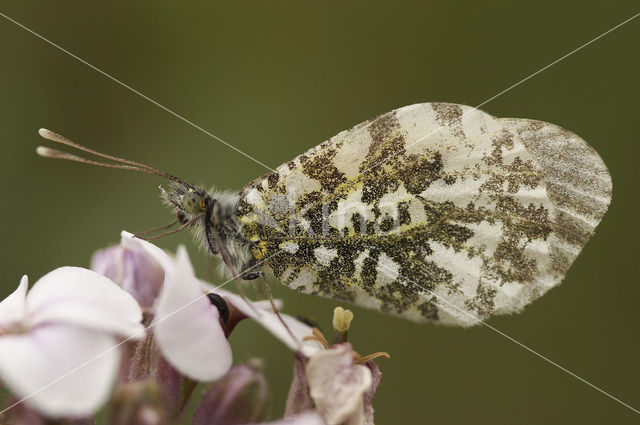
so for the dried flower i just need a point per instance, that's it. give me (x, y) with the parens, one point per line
(337, 382)
(298, 399)
(337, 385)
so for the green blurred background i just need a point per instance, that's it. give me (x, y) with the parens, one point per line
(276, 78)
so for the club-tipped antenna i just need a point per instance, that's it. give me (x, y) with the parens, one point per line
(54, 153)
(124, 164)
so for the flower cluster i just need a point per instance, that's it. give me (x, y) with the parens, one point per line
(139, 331)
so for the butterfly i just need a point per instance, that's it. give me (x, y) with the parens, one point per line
(435, 212)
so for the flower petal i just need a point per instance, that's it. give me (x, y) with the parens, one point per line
(134, 271)
(64, 370)
(264, 315)
(12, 308)
(298, 399)
(187, 327)
(337, 386)
(129, 241)
(376, 377)
(85, 298)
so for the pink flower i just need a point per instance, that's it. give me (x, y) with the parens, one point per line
(187, 326)
(58, 342)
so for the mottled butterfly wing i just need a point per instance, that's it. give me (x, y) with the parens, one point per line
(435, 212)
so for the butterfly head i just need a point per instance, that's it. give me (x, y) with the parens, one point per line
(189, 203)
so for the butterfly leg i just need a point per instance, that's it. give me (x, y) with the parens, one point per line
(275, 309)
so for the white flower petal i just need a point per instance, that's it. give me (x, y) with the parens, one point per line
(12, 308)
(31, 361)
(129, 241)
(187, 326)
(85, 298)
(337, 386)
(265, 316)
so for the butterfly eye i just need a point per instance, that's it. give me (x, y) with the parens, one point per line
(192, 202)
(182, 219)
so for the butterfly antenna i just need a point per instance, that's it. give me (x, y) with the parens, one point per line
(54, 153)
(124, 164)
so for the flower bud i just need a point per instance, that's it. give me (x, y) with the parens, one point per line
(138, 403)
(134, 271)
(238, 397)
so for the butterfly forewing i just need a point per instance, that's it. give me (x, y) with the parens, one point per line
(435, 212)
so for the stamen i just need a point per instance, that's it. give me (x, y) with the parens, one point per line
(318, 334)
(320, 339)
(362, 360)
(341, 322)
(342, 319)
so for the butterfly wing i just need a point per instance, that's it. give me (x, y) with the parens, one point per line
(435, 212)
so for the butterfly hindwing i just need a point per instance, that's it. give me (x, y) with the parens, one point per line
(435, 212)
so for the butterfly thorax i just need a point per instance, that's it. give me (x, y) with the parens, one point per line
(211, 215)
